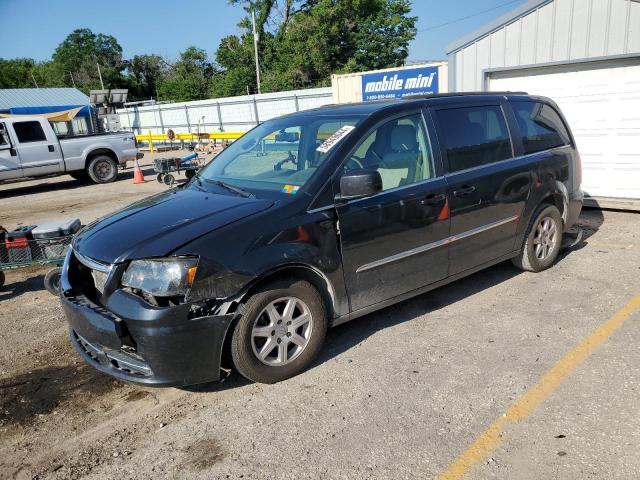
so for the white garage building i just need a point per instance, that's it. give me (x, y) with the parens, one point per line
(585, 54)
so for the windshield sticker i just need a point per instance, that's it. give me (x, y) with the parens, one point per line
(330, 142)
(290, 189)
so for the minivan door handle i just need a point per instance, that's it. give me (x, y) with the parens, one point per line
(434, 199)
(464, 191)
(52, 148)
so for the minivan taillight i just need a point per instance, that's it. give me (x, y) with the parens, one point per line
(578, 169)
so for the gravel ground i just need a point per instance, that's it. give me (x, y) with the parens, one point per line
(396, 394)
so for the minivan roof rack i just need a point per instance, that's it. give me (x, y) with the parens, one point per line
(460, 94)
(408, 98)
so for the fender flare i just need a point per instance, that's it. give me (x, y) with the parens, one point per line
(561, 190)
(328, 291)
(97, 149)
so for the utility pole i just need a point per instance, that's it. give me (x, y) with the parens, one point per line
(34, 80)
(100, 75)
(255, 47)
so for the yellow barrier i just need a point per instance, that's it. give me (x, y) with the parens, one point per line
(163, 137)
(160, 137)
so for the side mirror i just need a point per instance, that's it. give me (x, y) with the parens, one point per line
(290, 137)
(360, 183)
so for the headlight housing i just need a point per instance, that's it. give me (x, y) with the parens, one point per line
(163, 277)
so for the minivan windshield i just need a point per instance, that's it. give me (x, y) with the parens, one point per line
(280, 155)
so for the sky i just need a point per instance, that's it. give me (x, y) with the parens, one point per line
(34, 28)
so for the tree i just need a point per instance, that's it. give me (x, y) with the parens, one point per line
(21, 73)
(145, 73)
(340, 37)
(188, 78)
(16, 73)
(80, 54)
(303, 42)
(235, 56)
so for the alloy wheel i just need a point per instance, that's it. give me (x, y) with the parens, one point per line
(282, 331)
(545, 238)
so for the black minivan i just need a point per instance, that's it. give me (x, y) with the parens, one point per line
(314, 219)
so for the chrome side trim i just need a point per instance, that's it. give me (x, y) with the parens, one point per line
(100, 272)
(402, 255)
(484, 228)
(436, 244)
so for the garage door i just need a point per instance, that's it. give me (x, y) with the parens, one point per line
(602, 104)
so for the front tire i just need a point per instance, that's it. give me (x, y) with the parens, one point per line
(543, 240)
(102, 169)
(280, 332)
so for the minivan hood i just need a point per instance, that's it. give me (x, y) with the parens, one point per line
(158, 225)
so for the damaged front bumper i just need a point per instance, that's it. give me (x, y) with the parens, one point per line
(134, 341)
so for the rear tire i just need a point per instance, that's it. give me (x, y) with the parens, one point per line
(52, 281)
(2, 279)
(102, 169)
(280, 332)
(542, 241)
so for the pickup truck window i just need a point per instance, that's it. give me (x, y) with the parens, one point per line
(474, 136)
(61, 128)
(3, 135)
(540, 126)
(29, 132)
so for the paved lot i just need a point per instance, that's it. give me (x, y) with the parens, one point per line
(401, 393)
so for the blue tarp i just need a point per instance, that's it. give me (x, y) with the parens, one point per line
(85, 112)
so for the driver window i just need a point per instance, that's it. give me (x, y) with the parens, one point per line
(399, 150)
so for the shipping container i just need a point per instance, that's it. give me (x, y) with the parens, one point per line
(426, 78)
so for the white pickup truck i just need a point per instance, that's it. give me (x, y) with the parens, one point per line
(30, 148)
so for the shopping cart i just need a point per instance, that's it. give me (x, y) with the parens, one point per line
(23, 252)
(165, 167)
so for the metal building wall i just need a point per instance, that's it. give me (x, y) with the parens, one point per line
(230, 114)
(548, 31)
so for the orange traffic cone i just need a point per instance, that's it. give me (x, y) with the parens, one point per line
(138, 177)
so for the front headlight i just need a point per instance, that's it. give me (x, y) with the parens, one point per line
(165, 277)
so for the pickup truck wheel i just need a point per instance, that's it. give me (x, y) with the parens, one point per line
(102, 169)
(280, 332)
(543, 240)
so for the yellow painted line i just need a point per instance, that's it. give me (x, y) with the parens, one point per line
(619, 246)
(527, 403)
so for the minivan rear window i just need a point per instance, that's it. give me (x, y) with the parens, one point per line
(540, 126)
(474, 136)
